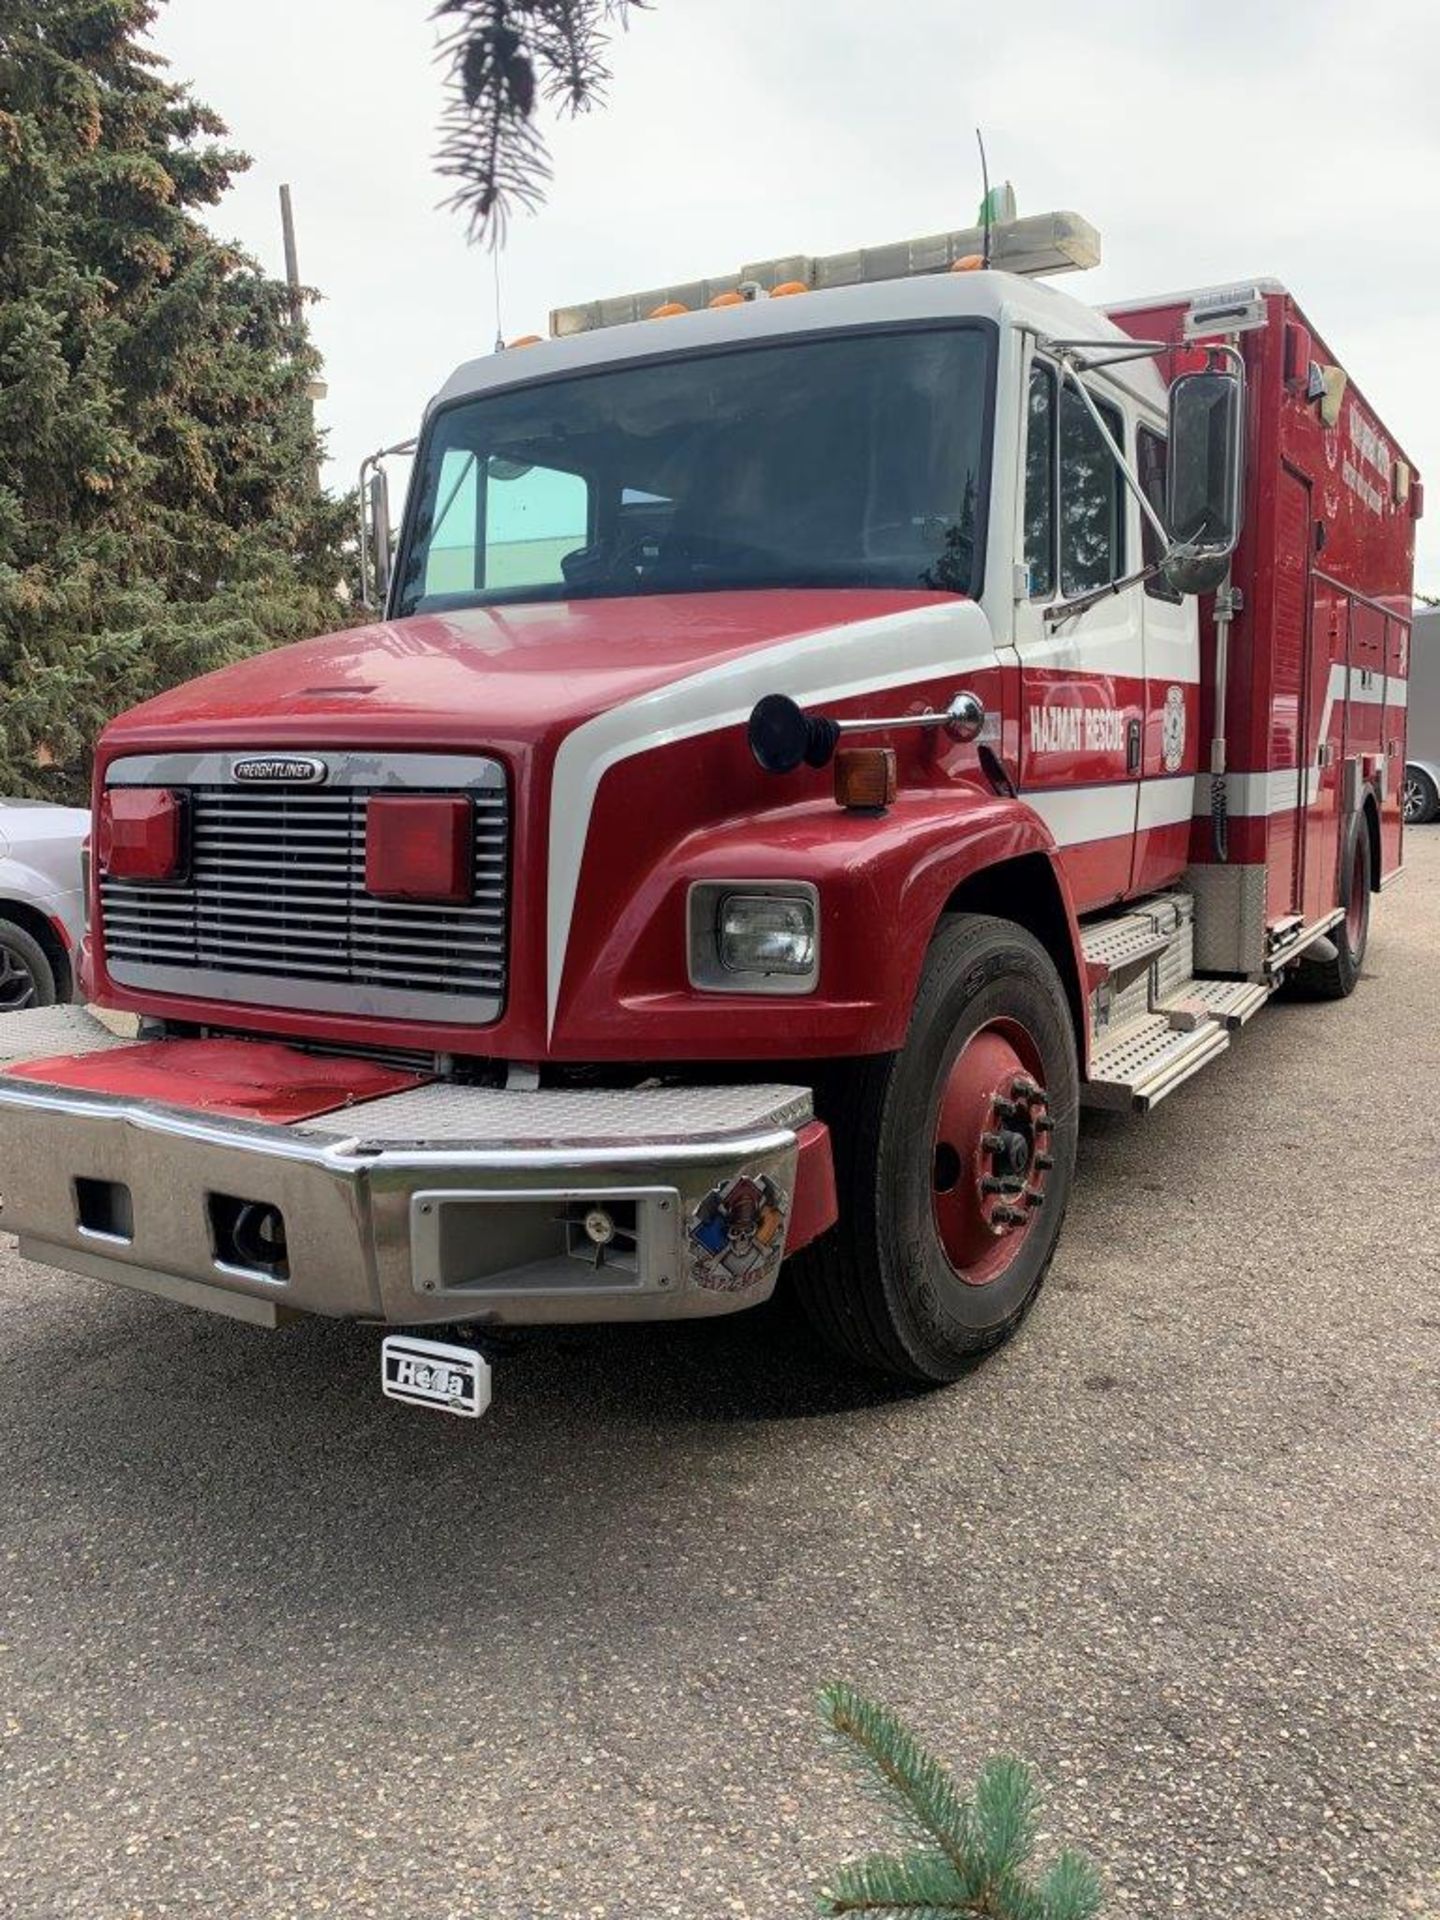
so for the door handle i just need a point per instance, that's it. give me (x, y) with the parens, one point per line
(1132, 746)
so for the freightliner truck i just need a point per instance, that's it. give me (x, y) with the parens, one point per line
(825, 726)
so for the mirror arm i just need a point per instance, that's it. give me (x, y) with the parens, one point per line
(1128, 474)
(1067, 609)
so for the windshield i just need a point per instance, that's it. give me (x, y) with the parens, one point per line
(848, 461)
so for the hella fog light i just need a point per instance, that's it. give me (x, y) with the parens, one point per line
(767, 933)
(754, 937)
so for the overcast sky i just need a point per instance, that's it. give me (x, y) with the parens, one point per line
(1207, 143)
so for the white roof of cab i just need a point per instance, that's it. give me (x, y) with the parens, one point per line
(1006, 298)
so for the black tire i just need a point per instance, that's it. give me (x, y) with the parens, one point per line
(880, 1287)
(1333, 977)
(27, 978)
(1421, 802)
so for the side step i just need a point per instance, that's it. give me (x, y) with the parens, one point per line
(1148, 1059)
(1231, 1002)
(1153, 1023)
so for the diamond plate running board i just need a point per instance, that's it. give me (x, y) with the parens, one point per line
(1231, 1002)
(1148, 1059)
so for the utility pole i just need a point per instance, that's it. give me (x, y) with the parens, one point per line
(292, 258)
(317, 388)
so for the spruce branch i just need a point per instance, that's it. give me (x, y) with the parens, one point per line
(972, 1855)
(920, 1791)
(501, 58)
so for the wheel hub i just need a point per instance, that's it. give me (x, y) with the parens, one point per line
(17, 986)
(990, 1159)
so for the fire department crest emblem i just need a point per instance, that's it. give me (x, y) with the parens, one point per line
(737, 1234)
(1172, 729)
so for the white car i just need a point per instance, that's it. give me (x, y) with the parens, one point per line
(1422, 792)
(1422, 765)
(42, 902)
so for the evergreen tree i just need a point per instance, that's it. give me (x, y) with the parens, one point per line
(965, 1857)
(160, 513)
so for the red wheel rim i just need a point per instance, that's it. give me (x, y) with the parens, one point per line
(1356, 904)
(990, 1155)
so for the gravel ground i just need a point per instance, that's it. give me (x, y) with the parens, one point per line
(270, 1646)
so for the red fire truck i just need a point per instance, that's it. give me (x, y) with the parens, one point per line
(826, 725)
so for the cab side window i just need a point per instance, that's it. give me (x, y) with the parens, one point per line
(1092, 497)
(1040, 482)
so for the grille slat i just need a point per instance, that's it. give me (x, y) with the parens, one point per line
(277, 892)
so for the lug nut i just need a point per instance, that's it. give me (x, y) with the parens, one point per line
(1044, 1161)
(1033, 1197)
(1007, 1185)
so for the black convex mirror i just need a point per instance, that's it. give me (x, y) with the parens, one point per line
(782, 736)
(1203, 492)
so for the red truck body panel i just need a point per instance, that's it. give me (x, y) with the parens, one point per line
(517, 682)
(1319, 653)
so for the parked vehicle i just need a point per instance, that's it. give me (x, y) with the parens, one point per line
(41, 902)
(1422, 751)
(813, 745)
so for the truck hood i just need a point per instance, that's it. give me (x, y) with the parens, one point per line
(488, 675)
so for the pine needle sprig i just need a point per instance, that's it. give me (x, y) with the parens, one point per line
(502, 57)
(967, 1857)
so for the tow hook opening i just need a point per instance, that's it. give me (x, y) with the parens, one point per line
(105, 1210)
(249, 1235)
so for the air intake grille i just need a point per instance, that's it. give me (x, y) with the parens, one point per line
(275, 912)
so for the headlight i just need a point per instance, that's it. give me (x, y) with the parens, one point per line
(754, 937)
(761, 933)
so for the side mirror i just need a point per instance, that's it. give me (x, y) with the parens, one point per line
(376, 544)
(1205, 463)
(378, 508)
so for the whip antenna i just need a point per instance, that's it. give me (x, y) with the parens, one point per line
(985, 203)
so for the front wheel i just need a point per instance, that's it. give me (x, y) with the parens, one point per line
(954, 1162)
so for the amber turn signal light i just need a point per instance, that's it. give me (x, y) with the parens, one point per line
(865, 777)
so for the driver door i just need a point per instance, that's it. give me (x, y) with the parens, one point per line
(1082, 672)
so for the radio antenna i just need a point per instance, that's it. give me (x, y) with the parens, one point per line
(985, 203)
(499, 323)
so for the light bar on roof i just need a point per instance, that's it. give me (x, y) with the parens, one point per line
(1041, 243)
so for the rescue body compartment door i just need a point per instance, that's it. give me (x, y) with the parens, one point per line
(1290, 740)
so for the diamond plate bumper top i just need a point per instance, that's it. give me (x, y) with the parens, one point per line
(437, 1203)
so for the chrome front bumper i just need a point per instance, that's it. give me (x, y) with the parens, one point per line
(440, 1204)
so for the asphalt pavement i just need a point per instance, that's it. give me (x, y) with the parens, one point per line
(272, 1646)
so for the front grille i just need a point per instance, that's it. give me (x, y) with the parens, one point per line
(275, 911)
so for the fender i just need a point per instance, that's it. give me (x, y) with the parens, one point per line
(884, 879)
